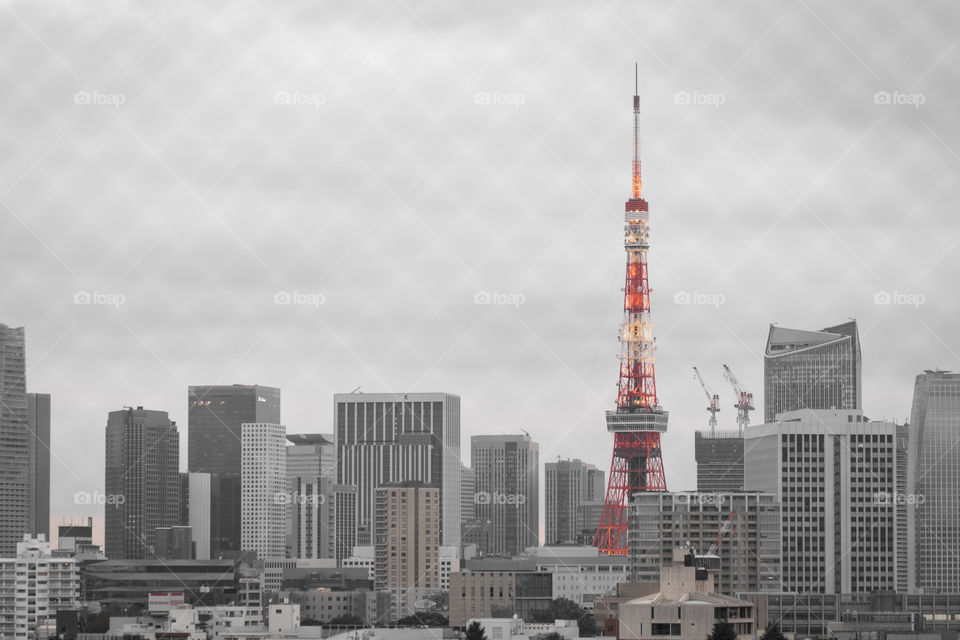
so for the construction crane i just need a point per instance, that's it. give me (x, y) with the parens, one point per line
(744, 400)
(712, 398)
(727, 524)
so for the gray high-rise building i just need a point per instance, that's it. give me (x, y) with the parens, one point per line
(323, 519)
(15, 471)
(748, 550)
(142, 481)
(933, 484)
(215, 415)
(38, 428)
(811, 370)
(568, 485)
(719, 457)
(507, 469)
(836, 475)
(388, 438)
(468, 482)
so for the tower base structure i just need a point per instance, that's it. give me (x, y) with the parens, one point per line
(637, 465)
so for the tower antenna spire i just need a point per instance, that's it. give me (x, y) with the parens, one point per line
(637, 180)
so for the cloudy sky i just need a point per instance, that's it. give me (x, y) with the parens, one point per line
(381, 164)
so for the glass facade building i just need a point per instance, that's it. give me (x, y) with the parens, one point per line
(811, 370)
(933, 491)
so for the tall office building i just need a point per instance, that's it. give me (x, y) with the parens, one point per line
(569, 484)
(468, 482)
(264, 490)
(38, 437)
(407, 546)
(811, 369)
(749, 546)
(323, 519)
(719, 457)
(215, 416)
(200, 505)
(836, 475)
(507, 469)
(386, 438)
(142, 481)
(15, 472)
(323, 522)
(933, 484)
(311, 454)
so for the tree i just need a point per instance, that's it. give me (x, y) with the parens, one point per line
(722, 631)
(476, 632)
(553, 635)
(773, 633)
(346, 620)
(423, 619)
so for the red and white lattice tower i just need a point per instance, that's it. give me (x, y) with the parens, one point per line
(638, 420)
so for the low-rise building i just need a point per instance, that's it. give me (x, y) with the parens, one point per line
(580, 573)
(485, 586)
(685, 608)
(518, 629)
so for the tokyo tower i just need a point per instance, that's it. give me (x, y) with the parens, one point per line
(639, 419)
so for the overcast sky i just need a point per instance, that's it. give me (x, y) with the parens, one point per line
(388, 161)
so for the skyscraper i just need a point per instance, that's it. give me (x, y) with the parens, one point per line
(386, 438)
(811, 369)
(933, 484)
(507, 470)
(215, 416)
(835, 473)
(15, 474)
(568, 485)
(142, 481)
(38, 428)
(323, 522)
(719, 456)
(407, 544)
(264, 490)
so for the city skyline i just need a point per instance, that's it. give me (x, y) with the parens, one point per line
(815, 170)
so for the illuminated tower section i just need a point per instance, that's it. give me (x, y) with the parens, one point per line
(638, 420)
